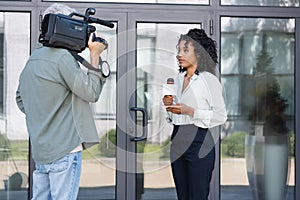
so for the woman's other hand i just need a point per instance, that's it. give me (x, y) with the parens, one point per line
(180, 108)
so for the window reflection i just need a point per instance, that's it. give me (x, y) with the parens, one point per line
(1, 60)
(280, 3)
(105, 108)
(203, 2)
(257, 62)
(15, 43)
(98, 175)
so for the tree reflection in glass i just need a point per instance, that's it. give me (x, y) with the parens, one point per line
(269, 107)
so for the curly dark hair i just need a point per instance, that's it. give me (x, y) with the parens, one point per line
(205, 50)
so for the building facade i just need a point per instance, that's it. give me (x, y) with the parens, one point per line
(258, 46)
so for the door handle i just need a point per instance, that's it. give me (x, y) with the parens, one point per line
(145, 126)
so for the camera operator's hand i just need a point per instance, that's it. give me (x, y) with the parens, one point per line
(96, 48)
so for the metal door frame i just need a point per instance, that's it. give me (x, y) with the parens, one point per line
(124, 14)
(159, 17)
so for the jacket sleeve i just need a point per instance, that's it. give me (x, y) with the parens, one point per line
(87, 86)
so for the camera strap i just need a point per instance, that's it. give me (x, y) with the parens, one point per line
(83, 61)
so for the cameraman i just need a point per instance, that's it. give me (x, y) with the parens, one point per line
(54, 94)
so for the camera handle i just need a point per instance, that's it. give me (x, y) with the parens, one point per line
(99, 39)
(90, 67)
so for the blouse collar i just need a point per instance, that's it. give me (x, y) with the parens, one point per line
(194, 77)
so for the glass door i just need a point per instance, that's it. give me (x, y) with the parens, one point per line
(151, 61)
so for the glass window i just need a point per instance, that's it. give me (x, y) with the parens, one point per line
(15, 0)
(106, 106)
(280, 3)
(99, 162)
(202, 2)
(1, 61)
(15, 43)
(257, 143)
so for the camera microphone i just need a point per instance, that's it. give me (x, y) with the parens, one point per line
(89, 19)
(100, 21)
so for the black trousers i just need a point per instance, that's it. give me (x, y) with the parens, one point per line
(192, 161)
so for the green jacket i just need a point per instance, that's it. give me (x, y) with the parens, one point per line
(55, 95)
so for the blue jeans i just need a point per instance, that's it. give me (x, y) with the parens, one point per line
(58, 180)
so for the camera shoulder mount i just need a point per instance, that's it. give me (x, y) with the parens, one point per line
(104, 67)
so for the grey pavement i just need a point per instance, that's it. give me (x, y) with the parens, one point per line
(107, 193)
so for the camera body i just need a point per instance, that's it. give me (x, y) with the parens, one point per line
(68, 32)
(65, 32)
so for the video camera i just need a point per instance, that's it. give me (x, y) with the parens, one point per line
(67, 32)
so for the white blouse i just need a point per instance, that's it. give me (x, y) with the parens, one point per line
(205, 94)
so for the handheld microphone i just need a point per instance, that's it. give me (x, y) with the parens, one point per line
(170, 81)
(169, 89)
